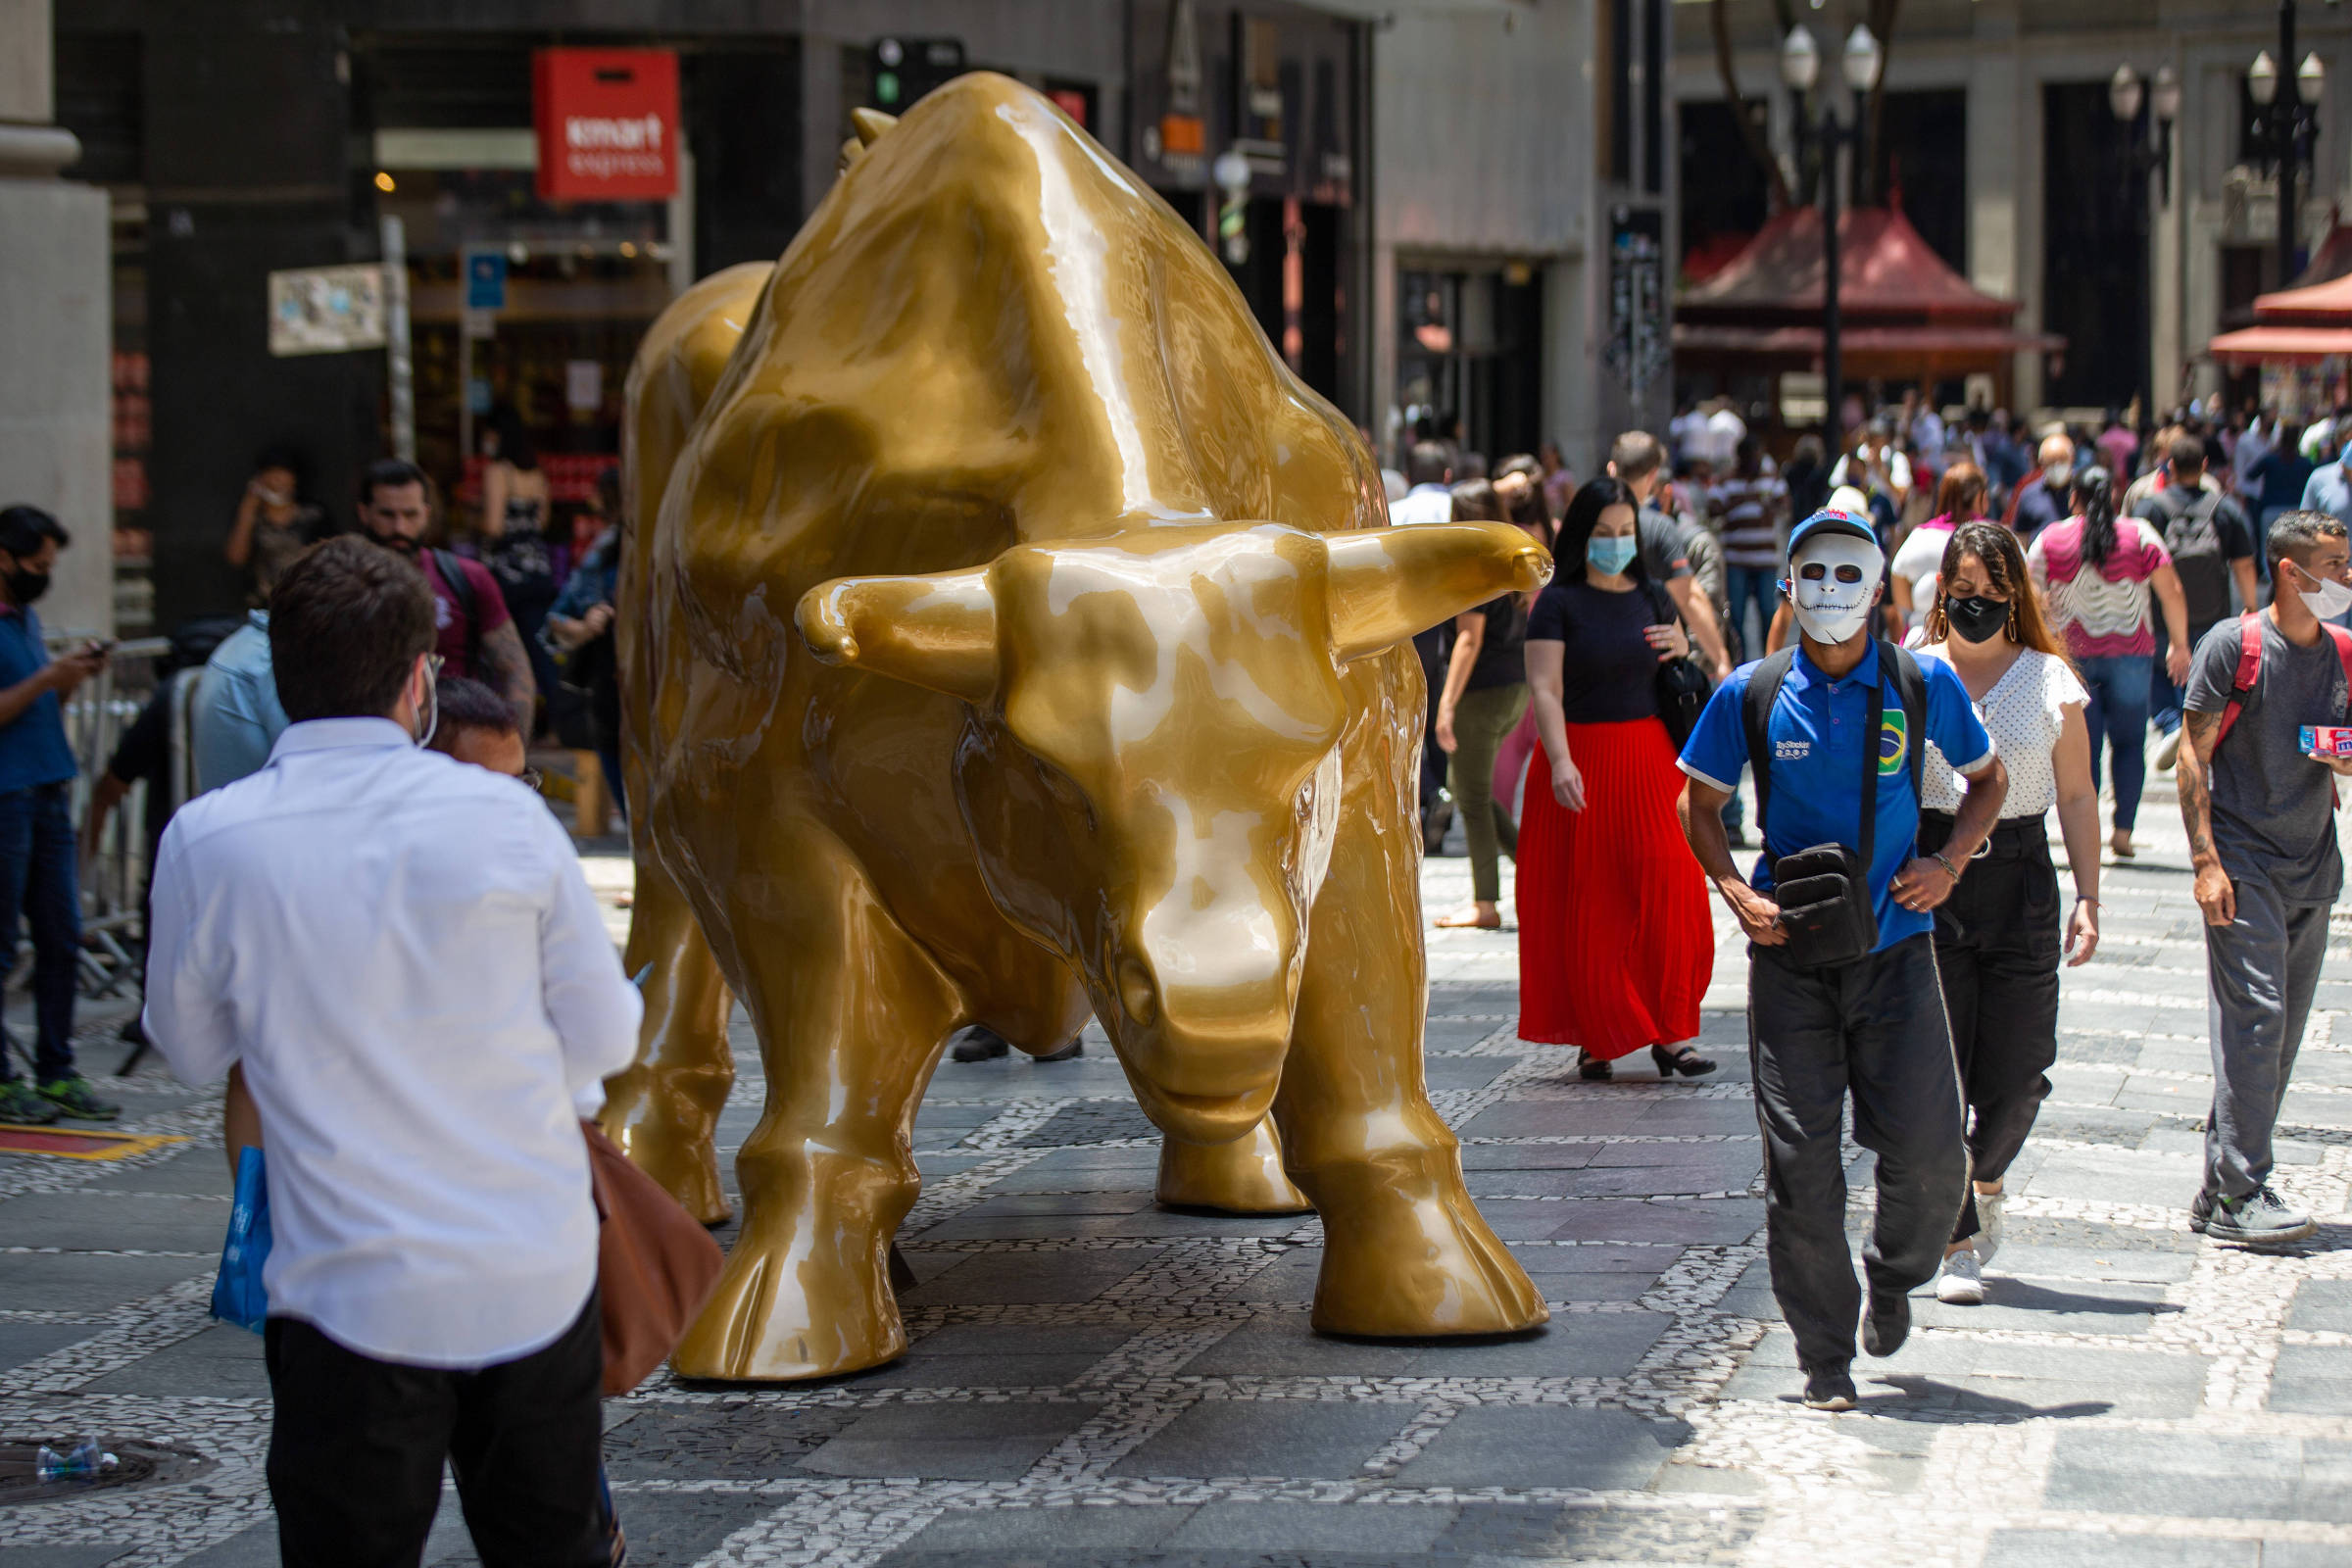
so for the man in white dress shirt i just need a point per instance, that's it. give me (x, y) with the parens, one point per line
(402, 956)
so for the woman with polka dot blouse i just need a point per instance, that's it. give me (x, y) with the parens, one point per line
(1998, 938)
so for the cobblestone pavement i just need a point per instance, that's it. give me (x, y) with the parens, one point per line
(1094, 1380)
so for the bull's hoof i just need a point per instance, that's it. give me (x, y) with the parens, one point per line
(781, 1317)
(685, 1166)
(1407, 1256)
(1243, 1177)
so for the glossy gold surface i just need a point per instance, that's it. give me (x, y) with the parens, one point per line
(1014, 638)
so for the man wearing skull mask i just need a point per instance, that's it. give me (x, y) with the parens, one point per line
(1842, 992)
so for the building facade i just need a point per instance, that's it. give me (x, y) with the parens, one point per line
(1998, 140)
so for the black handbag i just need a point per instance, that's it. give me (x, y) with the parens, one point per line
(1824, 890)
(1682, 686)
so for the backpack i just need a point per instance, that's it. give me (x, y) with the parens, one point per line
(2194, 543)
(452, 567)
(2249, 671)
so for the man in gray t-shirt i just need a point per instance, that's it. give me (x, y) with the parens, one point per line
(2261, 818)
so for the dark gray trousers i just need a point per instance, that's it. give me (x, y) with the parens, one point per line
(1874, 1028)
(2261, 971)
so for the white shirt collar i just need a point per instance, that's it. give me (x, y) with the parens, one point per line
(340, 734)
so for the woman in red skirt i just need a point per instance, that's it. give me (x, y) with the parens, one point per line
(1615, 944)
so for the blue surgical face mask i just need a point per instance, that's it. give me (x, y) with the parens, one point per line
(1610, 555)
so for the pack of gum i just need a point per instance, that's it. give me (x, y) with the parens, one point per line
(2328, 740)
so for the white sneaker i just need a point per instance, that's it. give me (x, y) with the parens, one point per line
(1989, 1224)
(1960, 1282)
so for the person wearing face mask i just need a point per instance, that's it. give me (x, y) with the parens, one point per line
(1843, 993)
(2262, 836)
(439, 1005)
(2042, 500)
(1997, 937)
(1615, 948)
(2098, 572)
(38, 844)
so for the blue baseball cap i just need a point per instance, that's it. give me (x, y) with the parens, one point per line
(1828, 522)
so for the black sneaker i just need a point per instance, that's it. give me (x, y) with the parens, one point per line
(74, 1098)
(23, 1106)
(979, 1045)
(1887, 1325)
(1829, 1388)
(2261, 1219)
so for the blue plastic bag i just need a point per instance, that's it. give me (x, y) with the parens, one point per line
(238, 1296)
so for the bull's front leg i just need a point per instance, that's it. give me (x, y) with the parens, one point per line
(851, 1017)
(663, 1108)
(1243, 1177)
(1405, 1251)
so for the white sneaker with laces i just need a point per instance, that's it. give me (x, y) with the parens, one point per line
(1960, 1282)
(1989, 1224)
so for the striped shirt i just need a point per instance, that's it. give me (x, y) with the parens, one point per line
(2104, 610)
(1752, 509)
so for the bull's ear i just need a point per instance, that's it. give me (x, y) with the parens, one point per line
(1389, 584)
(938, 631)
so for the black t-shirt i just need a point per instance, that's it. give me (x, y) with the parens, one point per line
(1503, 653)
(1608, 671)
(2201, 552)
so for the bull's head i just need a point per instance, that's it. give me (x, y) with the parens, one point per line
(1151, 769)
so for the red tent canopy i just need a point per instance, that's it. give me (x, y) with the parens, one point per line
(1903, 311)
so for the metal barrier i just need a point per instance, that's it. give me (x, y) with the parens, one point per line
(113, 874)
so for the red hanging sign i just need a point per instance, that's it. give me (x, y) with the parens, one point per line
(607, 121)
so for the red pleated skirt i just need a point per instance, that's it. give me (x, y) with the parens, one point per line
(1615, 946)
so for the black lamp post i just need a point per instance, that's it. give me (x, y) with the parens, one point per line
(2286, 124)
(2125, 92)
(1800, 69)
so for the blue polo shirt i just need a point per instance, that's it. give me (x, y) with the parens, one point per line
(1816, 736)
(32, 744)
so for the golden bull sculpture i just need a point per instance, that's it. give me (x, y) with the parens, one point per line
(1008, 636)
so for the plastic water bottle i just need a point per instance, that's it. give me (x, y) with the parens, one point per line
(84, 1461)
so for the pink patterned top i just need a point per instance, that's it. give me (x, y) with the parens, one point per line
(2103, 610)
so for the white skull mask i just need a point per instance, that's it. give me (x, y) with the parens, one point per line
(1834, 580)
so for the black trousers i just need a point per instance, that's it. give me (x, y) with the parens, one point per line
(357, 1445)
(1873, 1028)
(1997, 947)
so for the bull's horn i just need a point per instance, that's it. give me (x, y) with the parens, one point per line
(870, 124)
(938, 631)
(1389, 584)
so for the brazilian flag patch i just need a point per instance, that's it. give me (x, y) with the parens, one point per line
(1894, 743)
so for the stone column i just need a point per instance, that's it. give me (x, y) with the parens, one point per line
(56, 328)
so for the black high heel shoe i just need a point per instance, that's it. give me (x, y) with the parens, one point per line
(1593, 1069)
(1683, 1059)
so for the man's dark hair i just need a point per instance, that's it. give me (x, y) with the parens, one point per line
(1636, 456)
(1427, 464)
(23, 527)
(2186, 456)
(464, 705)
(391, 473)
(2294, 535)
(346, 621)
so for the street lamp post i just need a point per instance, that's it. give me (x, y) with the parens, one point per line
(2286, 124)
(2125, 92)
(1800, 68)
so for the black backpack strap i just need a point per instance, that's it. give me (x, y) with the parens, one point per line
(1755, 713)
(1870, 730)
(452, 567)
(1911, 690)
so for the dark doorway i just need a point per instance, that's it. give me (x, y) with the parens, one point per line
(1723, 189)
(1471, 349)
(1923, 168)
(2094, 282)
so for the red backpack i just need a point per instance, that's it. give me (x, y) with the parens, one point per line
(2249, 666)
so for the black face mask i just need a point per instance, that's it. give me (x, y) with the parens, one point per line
(23, 587)
(1978, 619)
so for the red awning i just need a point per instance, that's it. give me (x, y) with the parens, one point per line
(1884, 270)
(2321, 304)
(2252, 345)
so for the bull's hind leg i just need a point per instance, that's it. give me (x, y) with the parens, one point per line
(1405, 1251)
(851, 1017)
(1243, 1177)
(663, 1108)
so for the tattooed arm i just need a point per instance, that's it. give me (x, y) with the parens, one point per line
(2215, 895)
(507, 670)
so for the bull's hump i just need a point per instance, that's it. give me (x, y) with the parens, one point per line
(986, 281)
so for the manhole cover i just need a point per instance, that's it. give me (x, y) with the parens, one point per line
(137, 1464)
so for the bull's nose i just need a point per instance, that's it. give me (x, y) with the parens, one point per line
(1136, 993)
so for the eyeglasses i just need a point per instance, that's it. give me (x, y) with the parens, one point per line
(533, 779)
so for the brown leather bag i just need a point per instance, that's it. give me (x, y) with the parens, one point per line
(654, 1266)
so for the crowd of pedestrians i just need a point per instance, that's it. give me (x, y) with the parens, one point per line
(1921, 649)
